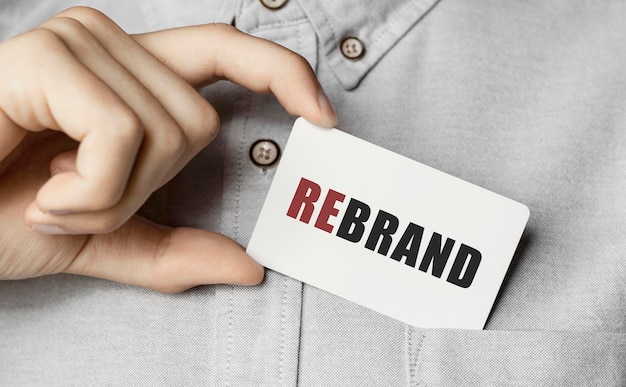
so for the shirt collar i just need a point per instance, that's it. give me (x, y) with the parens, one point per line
(378, 24)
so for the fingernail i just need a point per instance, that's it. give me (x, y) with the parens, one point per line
(51, 229)
(327, 108)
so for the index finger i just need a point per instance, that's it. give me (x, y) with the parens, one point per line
(207, 53)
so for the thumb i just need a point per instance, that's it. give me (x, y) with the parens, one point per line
(165, 259)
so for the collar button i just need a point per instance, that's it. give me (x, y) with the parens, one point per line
(273, 4)
(352, 48)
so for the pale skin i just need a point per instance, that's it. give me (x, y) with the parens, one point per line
(93, 121)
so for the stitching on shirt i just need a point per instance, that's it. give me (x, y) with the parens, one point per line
(231, 310)
(327, 23)
(414, 347)
(301, 317)
(229, 343)
(409, 350)
(417, 356)
(285, 23)
(298, 40)
(283, 329)
(242, 144)
(393, 22)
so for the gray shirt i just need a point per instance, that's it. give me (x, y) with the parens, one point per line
(527, 99)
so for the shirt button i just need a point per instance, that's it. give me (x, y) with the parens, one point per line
(264, 153)
(352, 48)
(273, 4)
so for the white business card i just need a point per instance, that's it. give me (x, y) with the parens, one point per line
(386, 232)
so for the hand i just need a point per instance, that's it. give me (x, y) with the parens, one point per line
(125, 118)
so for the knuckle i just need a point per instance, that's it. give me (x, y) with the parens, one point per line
(69, 30)
(103, 197)
(127, 125)
(297, 61)
(206, 125)
(172, 142)
(65, 26)
(34, 43)
(83, 14)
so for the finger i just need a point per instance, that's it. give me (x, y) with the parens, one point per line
(168, 260)
(63, 95)
(63, 162)
(197, 119)
(25, 254)
(191, 111)
(163, 141)
(204, 54)
(10, 135)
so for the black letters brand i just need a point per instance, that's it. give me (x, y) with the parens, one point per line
(380, 238)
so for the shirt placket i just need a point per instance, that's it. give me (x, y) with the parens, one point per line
(257, 331)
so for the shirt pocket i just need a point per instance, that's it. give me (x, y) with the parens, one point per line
(516, 358)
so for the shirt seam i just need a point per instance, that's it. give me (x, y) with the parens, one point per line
(300, 335)
(231, 307)
(285, 294)
(394, 21)
(284, 23)
(414, 344)
(229, 340)
(351, 73)
(283, 330)
(326, 22)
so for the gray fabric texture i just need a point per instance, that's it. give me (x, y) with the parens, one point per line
(523, 98)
